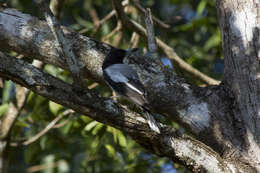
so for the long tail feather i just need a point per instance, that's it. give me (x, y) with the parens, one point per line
(151, 122)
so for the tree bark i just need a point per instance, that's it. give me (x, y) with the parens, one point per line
(240, 21)
(224, 119)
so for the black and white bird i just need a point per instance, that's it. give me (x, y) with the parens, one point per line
(123, 79)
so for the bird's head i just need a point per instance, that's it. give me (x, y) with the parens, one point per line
(116, 56)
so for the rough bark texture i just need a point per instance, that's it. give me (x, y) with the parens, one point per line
(240, 22)
(170, 143)
(224, 119)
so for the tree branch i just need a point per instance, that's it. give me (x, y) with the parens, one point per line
(138, 6)
(63, 47)
(33, 39)
(198, 109)
(152, 45)
(45, 130)
(170, 143)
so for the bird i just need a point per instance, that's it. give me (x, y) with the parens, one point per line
(124, 80)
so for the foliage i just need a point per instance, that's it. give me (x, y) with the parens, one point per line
(84, 145)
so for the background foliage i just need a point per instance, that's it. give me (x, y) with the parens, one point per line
(84, 145)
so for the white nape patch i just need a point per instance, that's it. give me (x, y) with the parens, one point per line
(237, 23)
(196, 115)
(134, 88)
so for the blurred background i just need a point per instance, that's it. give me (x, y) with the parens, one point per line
(77, 144)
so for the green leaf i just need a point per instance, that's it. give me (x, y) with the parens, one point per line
(201, 7)
(121, 139)
(213, 41)
(97, 128)
(3, 108)
(90, 125)
(7, 91)
(55, 107)
(67, 128)
(43, 141)
(49, 159)
(111, 151)
(83, 22)
(22, 124)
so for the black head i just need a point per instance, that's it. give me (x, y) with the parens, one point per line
(115, 56)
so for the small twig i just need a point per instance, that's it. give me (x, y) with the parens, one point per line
(134, 40)
(38, 168)
(45, 130)
(151, 41)
(107, 17)
(93, 85)
(117, 38)
(55, 6)
(143, 11)
(113, 32)
(104, 20)
(120, 11)
(64, 48)
(61, 124)
(100, 22)
(8, 121)
(95, 19)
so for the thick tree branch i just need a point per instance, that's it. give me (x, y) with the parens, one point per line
(63, 47)
(201, 110)
(32, 37)
(170, 143)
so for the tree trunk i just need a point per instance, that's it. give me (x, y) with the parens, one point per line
(224, 119)
(239, 22)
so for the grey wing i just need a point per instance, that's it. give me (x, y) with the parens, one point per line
(123, 73)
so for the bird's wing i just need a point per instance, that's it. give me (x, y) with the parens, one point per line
(123, 73)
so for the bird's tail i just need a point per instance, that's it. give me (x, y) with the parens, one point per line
(151, 121)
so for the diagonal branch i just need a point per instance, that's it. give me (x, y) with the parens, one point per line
(170, 143)
(63, 47)
(168, 94)
(32, 39)
(152, 45)
(45, 130)
(160, 23)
